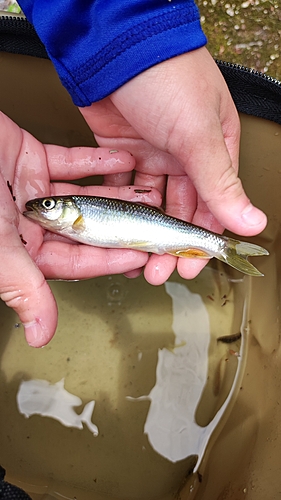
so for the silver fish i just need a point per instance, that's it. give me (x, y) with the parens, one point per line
(111, 223)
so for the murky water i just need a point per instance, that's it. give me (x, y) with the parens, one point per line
(151, 361)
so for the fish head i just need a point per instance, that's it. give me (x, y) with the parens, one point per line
(52, 213)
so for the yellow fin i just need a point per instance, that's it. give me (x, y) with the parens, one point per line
(236, 254)
(138, 245)
(79, 223)
(191, 253)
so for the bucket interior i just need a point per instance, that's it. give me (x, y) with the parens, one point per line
(146, 392)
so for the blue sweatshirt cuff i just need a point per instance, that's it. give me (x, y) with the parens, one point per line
(98, 46)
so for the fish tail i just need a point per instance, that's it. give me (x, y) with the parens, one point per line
(236, 254)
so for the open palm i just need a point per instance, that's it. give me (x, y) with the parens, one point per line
(28, 253)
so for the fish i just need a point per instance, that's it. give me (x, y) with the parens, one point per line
(113, 223)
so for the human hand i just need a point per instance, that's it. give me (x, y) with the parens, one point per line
(28, 254)
(178, 119)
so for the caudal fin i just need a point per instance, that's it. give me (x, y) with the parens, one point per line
(236, 255)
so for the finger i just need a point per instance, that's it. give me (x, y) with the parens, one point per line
(159, 268)
(134, 274)
(220, 187)
(24, 289)
(120, 179)
(239, 214)
(29, 170)
(181, 197)
(22, 285)
(58, 259)
(103, 117)
(204, 218)
(75, 163)
(190, 268)
(9, 149)
(182, 202)
(149, 158)
(152, 181)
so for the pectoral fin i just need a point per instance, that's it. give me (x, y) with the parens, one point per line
(79, 224)
(191, 253)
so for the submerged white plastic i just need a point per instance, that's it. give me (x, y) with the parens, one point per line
(181, 375)
(39, 397)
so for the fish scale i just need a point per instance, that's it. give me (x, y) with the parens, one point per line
(170, 231)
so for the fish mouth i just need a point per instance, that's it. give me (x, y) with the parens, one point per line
(31, 208)
(30, 212)
(28, 208)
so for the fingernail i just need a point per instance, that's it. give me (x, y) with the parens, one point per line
(252, 216)
(34, 333)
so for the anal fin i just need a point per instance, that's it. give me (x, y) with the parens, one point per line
(190, 253)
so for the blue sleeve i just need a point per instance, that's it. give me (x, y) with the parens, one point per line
(98, 45)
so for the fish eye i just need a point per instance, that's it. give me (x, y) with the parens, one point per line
(49, 203)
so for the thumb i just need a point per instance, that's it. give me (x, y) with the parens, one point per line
(219, 186)
(23, 288)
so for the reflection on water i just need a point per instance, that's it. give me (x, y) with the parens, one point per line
(118, 338)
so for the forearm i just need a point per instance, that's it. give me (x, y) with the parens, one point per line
(98, 46)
